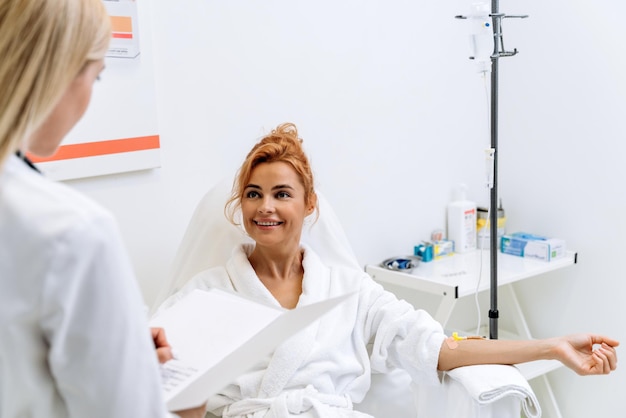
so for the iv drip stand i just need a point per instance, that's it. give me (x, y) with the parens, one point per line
(498, 52)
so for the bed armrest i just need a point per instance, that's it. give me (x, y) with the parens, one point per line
(469, 392)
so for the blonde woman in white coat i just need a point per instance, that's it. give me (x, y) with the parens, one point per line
(74, 338)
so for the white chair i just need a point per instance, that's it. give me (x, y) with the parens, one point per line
(476, 392)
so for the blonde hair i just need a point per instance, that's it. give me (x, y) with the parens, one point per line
(44, 45)
(281, 145)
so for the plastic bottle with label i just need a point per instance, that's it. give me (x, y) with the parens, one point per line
(483, 227)
(462, 221)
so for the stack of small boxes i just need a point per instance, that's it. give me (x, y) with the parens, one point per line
(434, 249)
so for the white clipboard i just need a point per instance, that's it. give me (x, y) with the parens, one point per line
(218, 336)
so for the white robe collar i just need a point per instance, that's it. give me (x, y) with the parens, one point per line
(246, 281)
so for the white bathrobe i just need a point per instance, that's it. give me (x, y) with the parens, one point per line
(326, 367)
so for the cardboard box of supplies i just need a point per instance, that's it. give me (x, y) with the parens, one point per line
(523, 244)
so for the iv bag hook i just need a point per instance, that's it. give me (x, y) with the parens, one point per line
(499, 50)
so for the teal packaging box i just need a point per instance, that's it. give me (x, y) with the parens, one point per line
(523, 244)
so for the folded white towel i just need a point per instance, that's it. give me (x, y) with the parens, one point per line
(490, 382)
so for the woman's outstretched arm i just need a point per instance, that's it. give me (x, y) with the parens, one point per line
(586, 354)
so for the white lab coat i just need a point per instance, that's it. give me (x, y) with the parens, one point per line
(322, 370)
(74, 337)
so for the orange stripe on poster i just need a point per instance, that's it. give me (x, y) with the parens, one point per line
(123, 35)
(93, 149)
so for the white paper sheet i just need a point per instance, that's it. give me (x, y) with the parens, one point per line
(217, 336)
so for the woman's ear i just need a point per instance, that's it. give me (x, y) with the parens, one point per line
(312, 203)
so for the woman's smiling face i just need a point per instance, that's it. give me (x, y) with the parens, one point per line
(273, 205)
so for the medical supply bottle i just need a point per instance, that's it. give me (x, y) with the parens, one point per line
(462, 221)
(483, 227)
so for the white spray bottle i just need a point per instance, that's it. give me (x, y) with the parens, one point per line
(462, 221)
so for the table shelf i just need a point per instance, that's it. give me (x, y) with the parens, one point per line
(457, 275)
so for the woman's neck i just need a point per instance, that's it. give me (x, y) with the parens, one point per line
(281, 272)
(277, 264)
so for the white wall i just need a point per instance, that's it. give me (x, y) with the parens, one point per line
(393, 117)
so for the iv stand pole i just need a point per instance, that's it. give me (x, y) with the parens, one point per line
(493, 208)
(498, 52)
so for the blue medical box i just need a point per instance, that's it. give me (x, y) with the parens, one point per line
(523, 244)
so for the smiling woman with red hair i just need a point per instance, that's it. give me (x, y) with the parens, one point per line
(325, 368)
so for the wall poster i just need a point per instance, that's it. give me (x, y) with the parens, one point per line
(119, 132)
